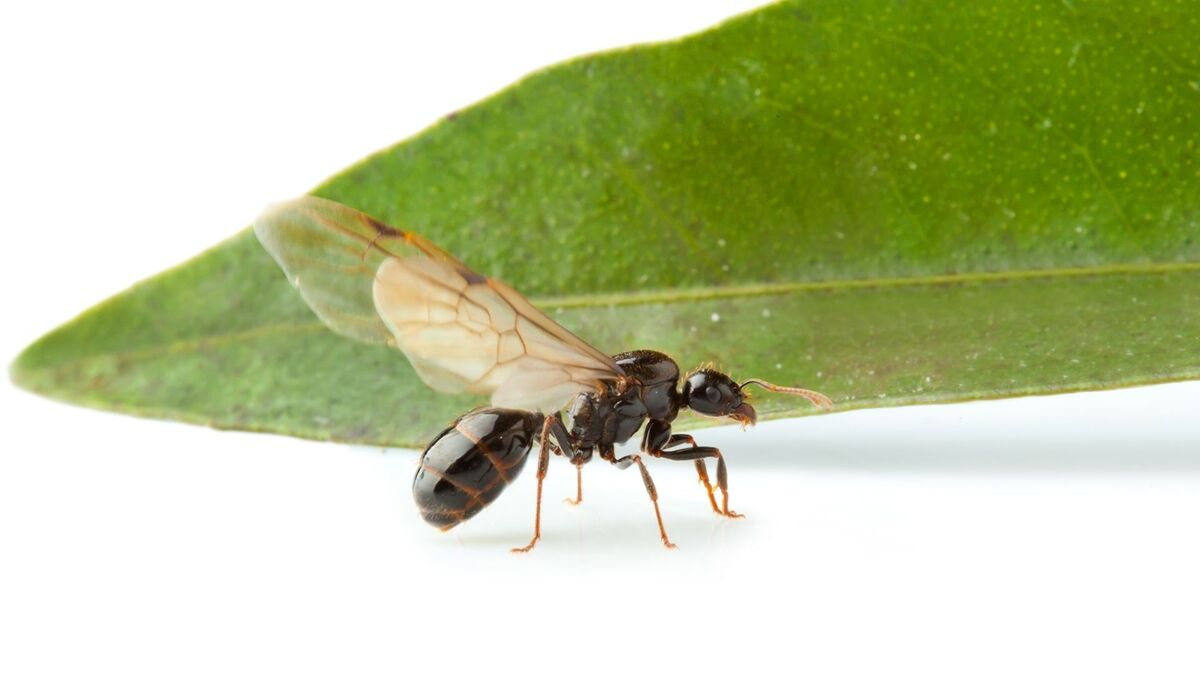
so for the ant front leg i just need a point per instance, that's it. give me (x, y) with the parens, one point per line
(658, 438)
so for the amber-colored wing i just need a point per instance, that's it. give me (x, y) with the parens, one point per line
(460, 330)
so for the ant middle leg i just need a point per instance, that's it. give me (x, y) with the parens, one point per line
(578, 487)
(578, 457)
(653, 492)
(607, 453)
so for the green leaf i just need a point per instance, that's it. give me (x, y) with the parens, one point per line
(891, 203)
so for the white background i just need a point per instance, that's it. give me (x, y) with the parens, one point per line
(1043, 534)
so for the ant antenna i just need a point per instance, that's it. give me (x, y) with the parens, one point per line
(815, 397)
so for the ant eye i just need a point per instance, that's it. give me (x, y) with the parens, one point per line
(712, 394)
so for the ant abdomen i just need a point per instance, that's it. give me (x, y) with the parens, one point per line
(470, 463)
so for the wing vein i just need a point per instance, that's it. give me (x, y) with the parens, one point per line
(379, 284)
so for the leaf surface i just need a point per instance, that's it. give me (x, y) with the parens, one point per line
(890, 203)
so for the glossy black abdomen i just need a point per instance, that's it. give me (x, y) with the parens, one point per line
(469, 464)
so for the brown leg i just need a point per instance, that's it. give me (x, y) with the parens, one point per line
(543, 465)
(701, 470)
(700, 454)
(654, 500)
(578, 487)
(723, 483)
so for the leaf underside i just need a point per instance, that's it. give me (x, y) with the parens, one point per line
(892, 204)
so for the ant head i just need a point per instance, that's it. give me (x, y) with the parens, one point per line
(715, 394)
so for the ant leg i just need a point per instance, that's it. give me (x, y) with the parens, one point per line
(562, 439)
(701, 469)
(578, 487)
(607, 454)
(658, 438)
(543, 465)
(653, 492)
(699, 454)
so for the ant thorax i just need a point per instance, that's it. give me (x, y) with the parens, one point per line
(608, 417)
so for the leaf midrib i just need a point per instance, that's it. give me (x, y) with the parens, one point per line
(672, 296)
(751, 290)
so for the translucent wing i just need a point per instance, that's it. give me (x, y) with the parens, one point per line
(461, 330)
